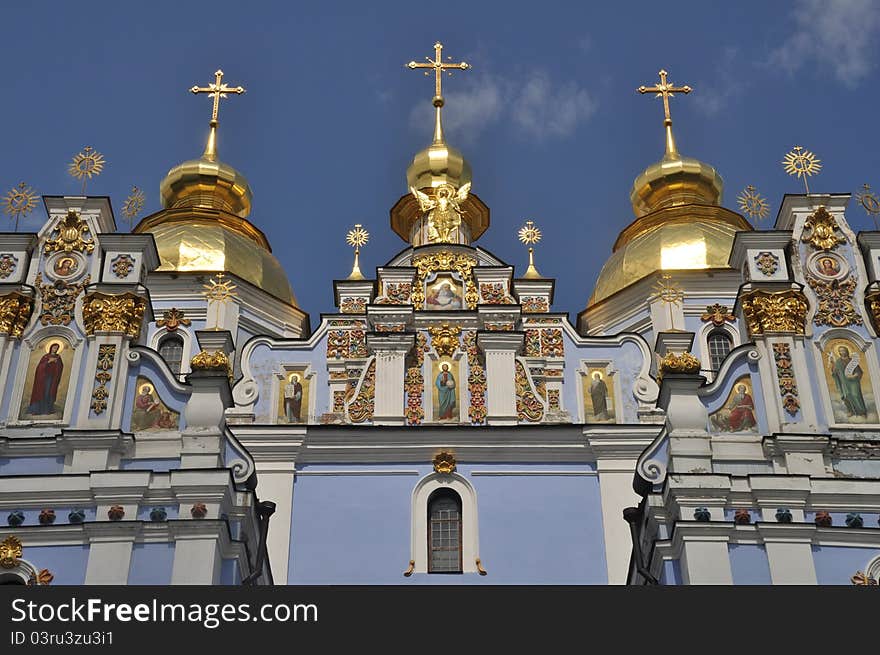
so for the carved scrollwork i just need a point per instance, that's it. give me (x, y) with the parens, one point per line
(821, 230)
(113, 313)
(780, 311)
(684, 363)
(15, 312)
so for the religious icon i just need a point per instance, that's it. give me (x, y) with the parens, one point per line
(444, 293)
(598, 397)
(47, 380)
(65, 266)
(149, 413)
(293, 398)
(446, 397)
(827, 266)
(849, 385)
(738, 413)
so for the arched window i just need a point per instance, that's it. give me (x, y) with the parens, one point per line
(444, 532)
(720, 344)
(171, 349)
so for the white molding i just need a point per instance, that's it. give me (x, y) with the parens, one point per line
(538, 473)
(187, 354)
(343, 472)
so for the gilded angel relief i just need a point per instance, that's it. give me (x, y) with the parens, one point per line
(444, 210)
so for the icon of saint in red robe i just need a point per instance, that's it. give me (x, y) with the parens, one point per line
(47, 377)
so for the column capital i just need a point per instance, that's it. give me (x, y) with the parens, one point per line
(503, 341)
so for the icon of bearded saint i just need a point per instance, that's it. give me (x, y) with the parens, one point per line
(444, 209)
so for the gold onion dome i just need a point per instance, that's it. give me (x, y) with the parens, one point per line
(439, 163)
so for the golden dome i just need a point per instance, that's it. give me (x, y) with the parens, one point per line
(694, 236)
(674, 181)
(209, 183)
(439, 163)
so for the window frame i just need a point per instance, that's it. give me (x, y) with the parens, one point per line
(438, 494)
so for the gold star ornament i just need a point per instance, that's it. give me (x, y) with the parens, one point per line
(133, 204)
(753, 203)
(530, 234)
(802, 163)
(869, 201)
(86, 164)
(357, 238)
(19, 202)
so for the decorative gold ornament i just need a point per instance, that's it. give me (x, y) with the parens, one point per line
(86, 164)
(530, 234)
(106, 355)
(122, 265)
(767, 263)
(72, 233)
(58, 300)
(863, 579)
(528, 407)
(668, 293)
(872, 302)
(361, 408)
(477, 411)
(480, 569)
(835, 302)
(357, 238)
(820, 230)
(683, 364)
(414, 383)
(444, 211)
(444, 338)
(218, 290)
(439, 67)
(666, 90)
(753, 203)
(10, 552)
(869, 202)
(215, 361)
(410, 569)
(780, 311)
(445, 261)
(801, 163)
(718, 314)
(444, 462)
(19, 202)
(172, 319)
(785, 375)
(113, 313)
(133, 205)
(218, 90)
(44, 577)
(15, 313)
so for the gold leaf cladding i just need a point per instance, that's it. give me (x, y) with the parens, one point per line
(215, 361)
(113, 313)
(10, 551)
(684, 363)
(15, 312)
(718, 314)
(445, 260)
(781, 311)
(820, 230)
(444, 338)
(71, 234)
(444, 462)
(172, 319)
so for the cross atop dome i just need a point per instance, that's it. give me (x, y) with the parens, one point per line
(217, 90)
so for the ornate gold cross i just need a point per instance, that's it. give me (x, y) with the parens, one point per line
(439, 67)
(217, 90)
(666, 90)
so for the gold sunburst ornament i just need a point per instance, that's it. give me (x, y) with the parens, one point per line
(86, 164)
(869, 202)
(219, 292)
(530, 234)
(20, 201)
(357, 238)
(753, 203)
(802, 163)
(669, 293)
(133, 205)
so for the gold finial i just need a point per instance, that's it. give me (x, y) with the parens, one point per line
(133, 205)
(530, 234)
(669, 293)
(356, 238)
(439, 67)
(219, 291)
(20, 201)
(753, 203)
(10, 552)
(666, 90)
(869, 202)
(217, 90)
(801, 163)
(85, 164)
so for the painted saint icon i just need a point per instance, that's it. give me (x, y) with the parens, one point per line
(446, 394)
(47, 379)
(828, 266)
(149, 412)
(849, 385)
(443, 294)
(738, 413)
(65, 266)
(293, 397)
(598, 397)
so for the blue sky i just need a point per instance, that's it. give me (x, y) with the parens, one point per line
(548, 117)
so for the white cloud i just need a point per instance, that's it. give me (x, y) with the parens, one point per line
(727, 83)
(837, 34)
(544, 111)
(468, 110)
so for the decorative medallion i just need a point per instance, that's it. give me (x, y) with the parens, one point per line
(788, 390)
(15, 312)
(215, 361)
(121, 265)
(172, 319)
(396, 293)
(199, 510)
(414, 383)
(71, 234)
(361, 408)
(445, 261)
(10, 552)
(532, 342)
(47, 516)
(499, 327)
(767, 263)
(103, 375)
(58, 300)
(389, 327)
(8, 264)
(683, 364)
(85, 164)
(781, 311)
(553, 399)
(20, 201)
(717, 314)
(835, 302)
(444, 462)
(801, 163)
(821, 230)
(476, 379)
(823, 519)
(495, 293)
(338, 402)
(353, 305)
(753, 203)
(113, 313)
(444, 338)
(64, 266)
(828, 266)
(742, 517)
(528, 407)
(116, 513)
(863, 579)
(534, 304)
(552, 344)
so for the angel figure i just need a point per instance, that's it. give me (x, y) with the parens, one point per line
(444, 209)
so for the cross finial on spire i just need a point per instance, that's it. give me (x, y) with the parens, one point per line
(217, 90)
(439, 67)
(666, 90)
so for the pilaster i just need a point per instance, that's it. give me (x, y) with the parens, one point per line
(390, 350)
(500, 349)
(203, 439)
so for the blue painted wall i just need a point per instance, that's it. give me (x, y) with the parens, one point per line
(151, 564)
(837, 564)
(671, 572)
(66, 563)
(229, 573)
(31, 465)
(356, 529)
(749, 564)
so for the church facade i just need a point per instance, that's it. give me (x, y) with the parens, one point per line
(169, 415)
